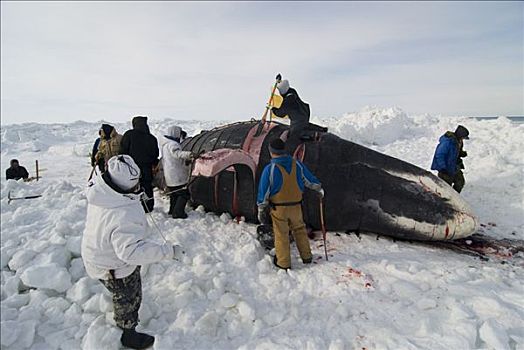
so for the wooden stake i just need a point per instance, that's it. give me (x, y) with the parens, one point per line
(323, 226)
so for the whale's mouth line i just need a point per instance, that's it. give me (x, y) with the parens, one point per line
(458, 220)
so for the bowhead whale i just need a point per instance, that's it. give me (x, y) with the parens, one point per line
(366, 191)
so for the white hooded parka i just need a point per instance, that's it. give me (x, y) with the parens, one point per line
(176, 172)
(114, 236)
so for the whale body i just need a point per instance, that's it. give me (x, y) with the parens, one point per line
(365, 191)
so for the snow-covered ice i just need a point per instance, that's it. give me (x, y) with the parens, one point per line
(226, 294)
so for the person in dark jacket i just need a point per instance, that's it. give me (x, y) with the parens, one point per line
(109, 145)
(143, 148)
(95, 149)
(448, 157)
(16, 171)
(298, 112)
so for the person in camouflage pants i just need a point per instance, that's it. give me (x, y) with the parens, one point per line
(127, 296)
(114, 243)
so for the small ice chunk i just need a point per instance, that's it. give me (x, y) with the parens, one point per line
(16, 301)
(12, 285)
(225, 218)
(145, 313)
(26, 336)
(8, 313)
(228, 300)
(5, 256)
(207, 324)
(246, 312)
(28, 312)
(9, 332)
(106, 304)
(275, 317)
(79, 293)
(54, 309)
(494, 335)
(38, 297)
(49, 276)
(74, 244)
(77, 269)
(100, 335)
(73, 315)
(93, 304)
(21, 258)
(53, 254)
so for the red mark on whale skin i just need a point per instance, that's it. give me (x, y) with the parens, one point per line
(447, 231)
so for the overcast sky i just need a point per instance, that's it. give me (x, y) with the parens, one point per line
(67, 61)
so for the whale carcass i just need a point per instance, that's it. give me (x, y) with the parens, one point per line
(366, 191)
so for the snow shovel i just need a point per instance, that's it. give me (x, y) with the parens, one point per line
(9, 198)
(323, 226)
(263, 121)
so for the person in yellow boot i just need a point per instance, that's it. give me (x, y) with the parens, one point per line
(280, 189)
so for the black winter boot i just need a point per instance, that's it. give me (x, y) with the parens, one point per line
(179, 211)
(134, 340)
(172, 201)
(277, 265)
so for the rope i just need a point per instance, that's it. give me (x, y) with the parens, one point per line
(143, 199)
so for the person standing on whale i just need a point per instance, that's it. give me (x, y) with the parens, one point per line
(298, 112)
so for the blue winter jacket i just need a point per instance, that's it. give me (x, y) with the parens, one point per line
(268, 188)
(446, 155)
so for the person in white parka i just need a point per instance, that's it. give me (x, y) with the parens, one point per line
(114, 245)
(177, 166)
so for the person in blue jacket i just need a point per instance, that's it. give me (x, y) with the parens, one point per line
(448, 157)
(280, 189)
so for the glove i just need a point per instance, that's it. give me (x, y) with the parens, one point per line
(262, 216)
(190, 159)
(178, 252)
(195, 155)
(321, 193)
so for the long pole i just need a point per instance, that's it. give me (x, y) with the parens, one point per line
(323, 226)
(91, 173)
(9, 198)
(37, 172)
(278, 79)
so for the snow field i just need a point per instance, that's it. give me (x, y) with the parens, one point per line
(226, 294)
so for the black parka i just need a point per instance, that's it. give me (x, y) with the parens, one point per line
(296, 109)
(140, 144)
(16, 173)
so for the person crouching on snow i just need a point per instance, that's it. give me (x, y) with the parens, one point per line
(114, 244)
(281, 186)
(177, 167)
